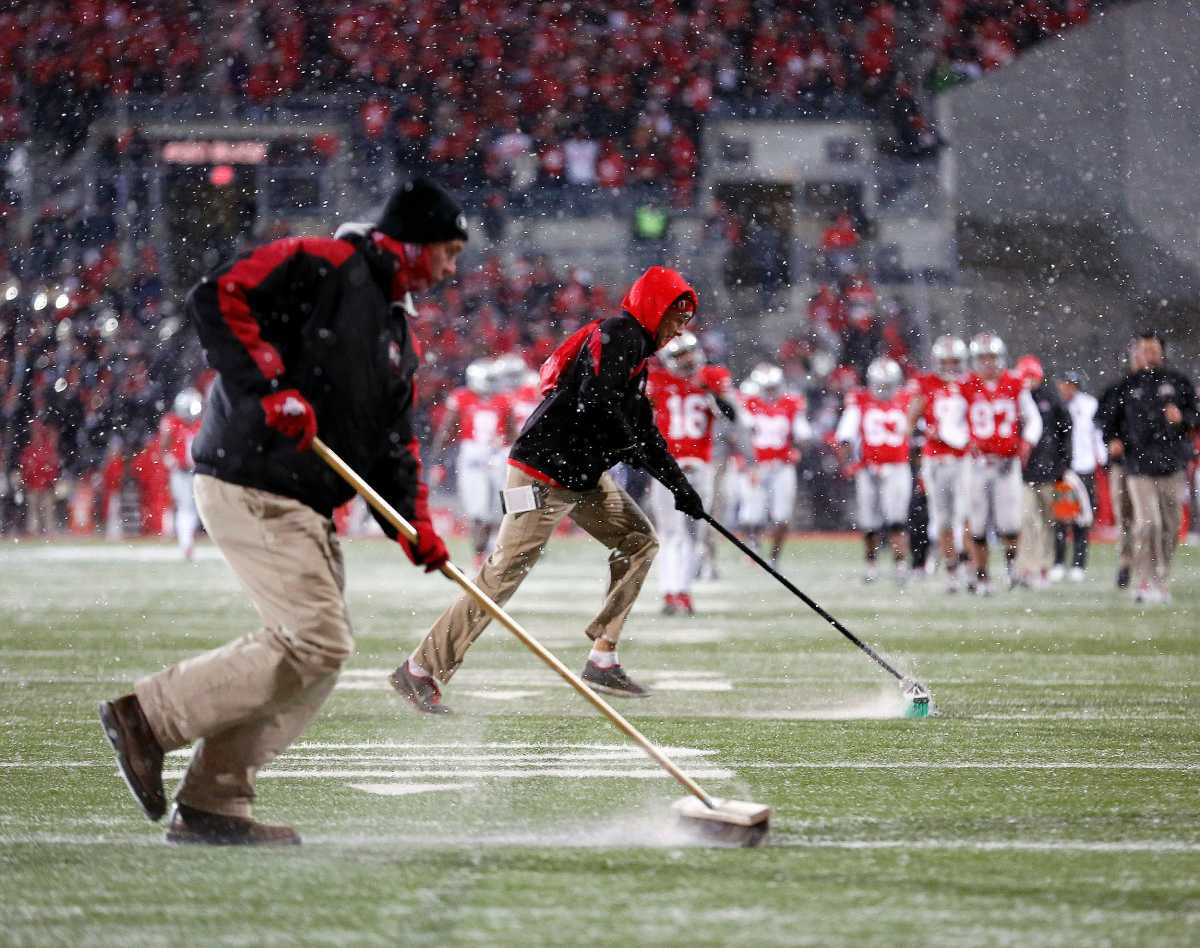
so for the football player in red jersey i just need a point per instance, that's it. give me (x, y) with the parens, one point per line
(778, 426)
(519, 385)
(1005, 424)
(176, 432)
(876, 421)
(938, 402)
(687, 396)
(477, 418)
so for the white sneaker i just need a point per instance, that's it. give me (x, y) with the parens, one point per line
(870, 574)
(901, 575)
(1077, 574)
(1058, 572)
(1149, 595)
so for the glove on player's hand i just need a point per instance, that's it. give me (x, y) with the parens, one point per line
(289, 413)
(688, 501)
(429, 550)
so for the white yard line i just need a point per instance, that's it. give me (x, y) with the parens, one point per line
(1006, 845)
(649, 772)
(408, 789)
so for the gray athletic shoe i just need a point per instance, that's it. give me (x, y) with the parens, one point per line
(422, 693)
(612, 681)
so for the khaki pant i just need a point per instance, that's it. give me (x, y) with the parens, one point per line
(606, 512)
(1157, 511)
(1035, 548)
(247, 701)
(1118, 488)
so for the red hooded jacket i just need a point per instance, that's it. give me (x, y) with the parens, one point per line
(595, 412)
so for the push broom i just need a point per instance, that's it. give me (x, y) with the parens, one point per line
(916, 694)
(728, 821)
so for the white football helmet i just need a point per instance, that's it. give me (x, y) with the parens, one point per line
(884, 377)
(988, 345)
(509, 371)
(949, 357)
(769, 379)
(683, 355)
(480, 376)
(750, 388)
(188, 404)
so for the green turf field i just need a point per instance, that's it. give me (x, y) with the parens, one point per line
(1054, 801)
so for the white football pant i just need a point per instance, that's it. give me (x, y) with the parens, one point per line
(680, 537)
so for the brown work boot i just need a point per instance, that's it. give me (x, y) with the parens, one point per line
(191, 826)
(139, 754)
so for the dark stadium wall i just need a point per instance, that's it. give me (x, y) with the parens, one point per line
(1076, 170)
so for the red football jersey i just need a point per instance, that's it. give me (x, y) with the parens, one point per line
(683, 409)
(778, 426)
(177, 435)
(947, 432)
(881, 425)
(995, 414)
(521, 403)
(482, 419)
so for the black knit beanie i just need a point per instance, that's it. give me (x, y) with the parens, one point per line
(422, 212)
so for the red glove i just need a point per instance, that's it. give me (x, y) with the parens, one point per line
(289, 413)
(1024, 451)
(429, 550)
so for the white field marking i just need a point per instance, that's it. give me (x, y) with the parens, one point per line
(408, 789)
(475, 761)
(622, 836)
(105, 552)
(685, 684)
(1142, 715)
(625, 750)
(501, 752)
(1160, 847)
(1161, 765)
(371, 679)
(647, 772)
(42, 653)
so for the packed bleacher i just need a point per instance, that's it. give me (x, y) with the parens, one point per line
(518, 97)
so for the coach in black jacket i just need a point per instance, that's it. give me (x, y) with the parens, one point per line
(1148, 420)
(300, 331)
(595, 414)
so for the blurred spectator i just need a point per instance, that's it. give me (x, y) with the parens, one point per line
(40, 470)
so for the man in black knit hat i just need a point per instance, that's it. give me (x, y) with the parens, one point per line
(302, 332)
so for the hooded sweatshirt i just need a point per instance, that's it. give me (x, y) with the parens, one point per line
(595, 412)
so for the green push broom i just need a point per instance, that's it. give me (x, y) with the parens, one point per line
(920, 702)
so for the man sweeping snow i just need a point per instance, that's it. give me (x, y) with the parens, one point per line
(594, 415)
(299, 330)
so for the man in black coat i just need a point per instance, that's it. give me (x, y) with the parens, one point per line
(595, 414)
(1049, 460)
(301, 331)
(1148, 421)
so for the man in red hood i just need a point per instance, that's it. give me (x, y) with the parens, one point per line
(594, 414)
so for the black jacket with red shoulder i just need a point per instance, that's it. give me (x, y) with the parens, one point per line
(312, 314)
(595, 412)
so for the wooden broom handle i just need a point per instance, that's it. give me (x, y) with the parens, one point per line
(456, 575)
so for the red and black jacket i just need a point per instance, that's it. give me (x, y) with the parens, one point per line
(311, 314)
(595, 412)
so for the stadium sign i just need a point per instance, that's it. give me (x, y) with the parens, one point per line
(193, 152)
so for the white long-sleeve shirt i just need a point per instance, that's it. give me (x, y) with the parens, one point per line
(1087, 443)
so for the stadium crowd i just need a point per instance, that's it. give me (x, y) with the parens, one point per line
(595, 95)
